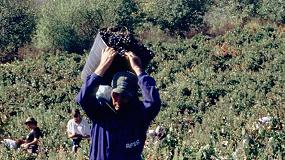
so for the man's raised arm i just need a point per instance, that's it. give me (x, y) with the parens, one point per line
(87, 95)
(147, 84)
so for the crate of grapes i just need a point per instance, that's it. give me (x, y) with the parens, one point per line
(122, 41)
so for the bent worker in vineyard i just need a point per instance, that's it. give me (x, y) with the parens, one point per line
(32, 140)
(77, 129)
(119, 127)
(30, 143)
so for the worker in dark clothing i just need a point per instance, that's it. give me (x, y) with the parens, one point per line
(119, 127)
(32, 140)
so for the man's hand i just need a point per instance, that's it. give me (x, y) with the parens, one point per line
(135, 62)
(107, 57)
(25, 145)
(73, 135)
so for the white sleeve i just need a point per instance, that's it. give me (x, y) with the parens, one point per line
(87, 130)
(70, 127)
(10, 143)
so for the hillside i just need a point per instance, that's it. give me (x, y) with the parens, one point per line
(219, 67)
(214, 90)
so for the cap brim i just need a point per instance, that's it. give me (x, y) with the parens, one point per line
(119, 90)
(124, 92)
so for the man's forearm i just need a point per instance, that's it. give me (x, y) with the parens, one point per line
(75, 135)
(70, 135)
(35, 141)
(100, 71)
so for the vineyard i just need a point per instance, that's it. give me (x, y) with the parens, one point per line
(217, 81)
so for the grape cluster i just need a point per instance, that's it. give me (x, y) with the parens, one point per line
(122, 41)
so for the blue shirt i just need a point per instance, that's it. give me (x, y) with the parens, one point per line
(119, 135)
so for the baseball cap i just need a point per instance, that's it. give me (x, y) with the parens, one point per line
(125, 83)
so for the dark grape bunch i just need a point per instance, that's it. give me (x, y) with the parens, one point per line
(122, 41)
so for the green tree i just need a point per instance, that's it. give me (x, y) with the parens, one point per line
(17, 23)
(175, 15)
(72, 25)
(121, 12)
(225, 13)
(67, 25)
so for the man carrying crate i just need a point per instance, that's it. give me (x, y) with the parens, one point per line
(119, 126)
